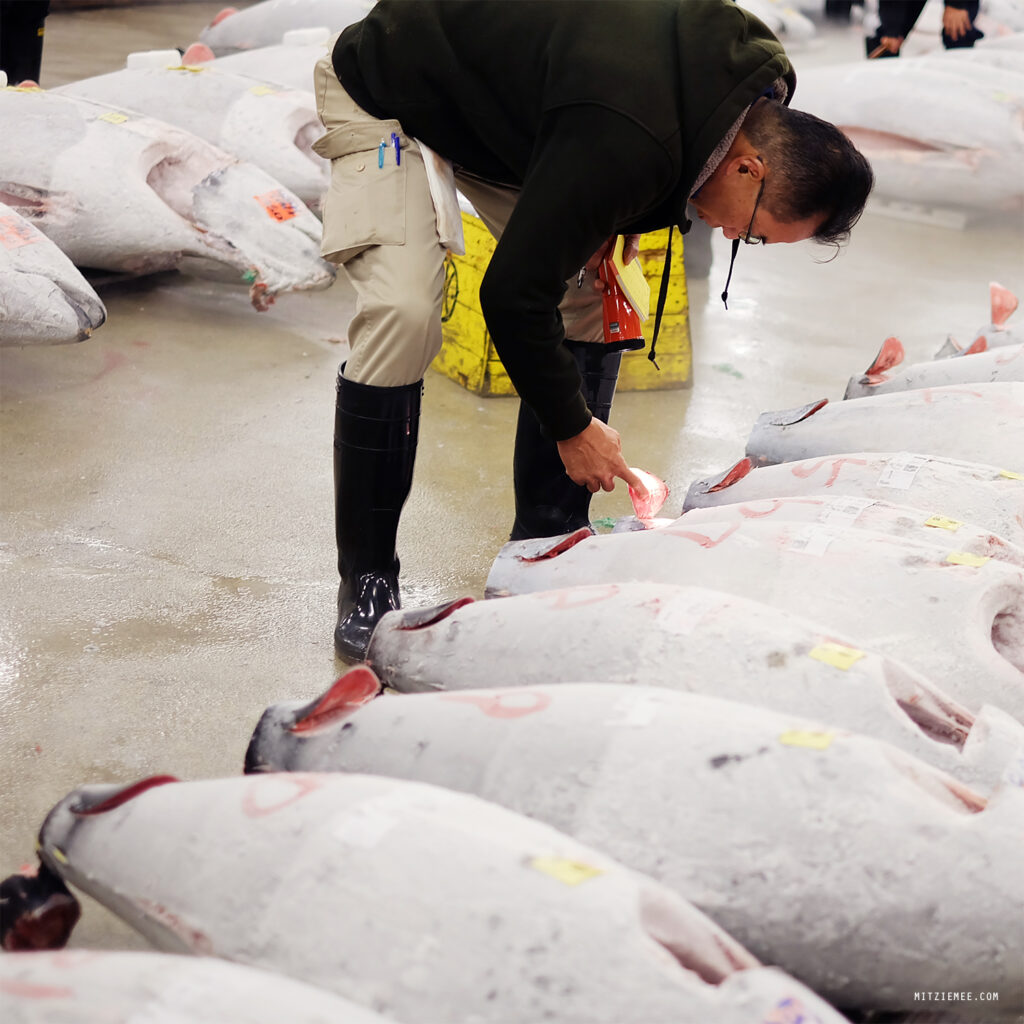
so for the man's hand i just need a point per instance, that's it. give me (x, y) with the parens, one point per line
(892, 44)
(593, 459)
(630, 251)
(956, 23)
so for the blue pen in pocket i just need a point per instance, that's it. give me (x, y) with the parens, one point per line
(398, 150)
(380, 153)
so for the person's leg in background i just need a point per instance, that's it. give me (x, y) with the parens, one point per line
(547, 502)
(964, 16)
(22, 25)
(896, 19)
(380, 226)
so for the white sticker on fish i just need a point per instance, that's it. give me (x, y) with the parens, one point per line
(844, 511)
(900, 470)
(813, 540)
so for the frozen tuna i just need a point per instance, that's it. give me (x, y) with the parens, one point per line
(43, 297)
(886, 374)
(94, 987)
(987, 496)
(959, 421)
(943, 138)
(133, 194)
(956, 618)
(267, 125)
(403, 896)
(264, 24)
(998, 333)
(694, 640)
(289, 63)
(835, 856)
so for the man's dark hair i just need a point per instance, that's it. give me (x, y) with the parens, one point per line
(819, 170)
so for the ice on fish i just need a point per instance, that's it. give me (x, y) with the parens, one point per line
(958, 421)
(986, 496)
(955, 617)
(262, 123)
(855, 867)
(44, 299)
(417, 901)
(265, 23)
(288, 63)
(693, 640)
(985, 366)
(88, 986)
(126, 193)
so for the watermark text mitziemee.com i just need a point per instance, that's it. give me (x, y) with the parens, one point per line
(956, 997)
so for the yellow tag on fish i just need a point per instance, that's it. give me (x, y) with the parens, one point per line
(944, 523)
(807, 738)
(185, 67)
(113, 117)
(58, 854)
(569, 872)
(262, 90)
(837, 655)
(1010, 475)
(966, 558)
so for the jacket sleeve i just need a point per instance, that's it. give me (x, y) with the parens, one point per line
(592, 172)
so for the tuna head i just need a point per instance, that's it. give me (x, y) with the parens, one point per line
(283, 728)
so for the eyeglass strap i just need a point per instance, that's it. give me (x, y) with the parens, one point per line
(732, 261)
(662, 295)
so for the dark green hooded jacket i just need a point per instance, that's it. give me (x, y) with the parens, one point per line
(603, 112)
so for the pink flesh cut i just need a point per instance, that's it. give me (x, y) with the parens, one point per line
(657, 492)
(221, 15)
(732, 476)
(126, 794)
(356, 687)
(1003, 302)
(197, 53)
(980, 344)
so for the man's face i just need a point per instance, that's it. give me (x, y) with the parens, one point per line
(727, 201)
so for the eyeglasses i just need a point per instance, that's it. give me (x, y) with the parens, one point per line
(746, 236)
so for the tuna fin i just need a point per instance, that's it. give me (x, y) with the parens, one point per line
(120, 795)
(355, 688)
(730, 476)
(1002, 301)
(980, 344)
(889, 355)
(787, 417)
(420, 618)
(949, 348)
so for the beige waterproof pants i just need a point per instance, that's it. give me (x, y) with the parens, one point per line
(381, 227)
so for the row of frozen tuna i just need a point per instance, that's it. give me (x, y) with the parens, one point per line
(630, 791)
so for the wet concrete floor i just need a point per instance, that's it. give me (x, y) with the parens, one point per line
(165, 487)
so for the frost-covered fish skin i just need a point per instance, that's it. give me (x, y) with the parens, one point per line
(43, 297)
(958, 421)
(99, 987)
(692, 640)
(886, 374)
(264, 124)
(133, 194)
(264, 24)
(987, 496)
(289, 62)
(855, 867)
(424, 903)
(956, 618)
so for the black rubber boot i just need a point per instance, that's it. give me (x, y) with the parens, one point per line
(375, 431)
(548, 503)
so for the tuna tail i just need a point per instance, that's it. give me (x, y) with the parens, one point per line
(889, 355)
(37, 911)
(713, 484)
(949, 349)
(1002, 301)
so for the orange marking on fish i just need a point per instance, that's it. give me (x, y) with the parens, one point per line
(837, 465)
(495, 707)
(701, 538)
(563, 599)
(27, 990)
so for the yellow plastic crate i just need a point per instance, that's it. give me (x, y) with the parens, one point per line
(467, 354)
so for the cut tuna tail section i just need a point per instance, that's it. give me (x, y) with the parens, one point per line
(889, 355)
(1002, 301)
(355, 688)
(37, 911)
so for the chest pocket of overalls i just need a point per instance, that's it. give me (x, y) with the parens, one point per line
(365, 203)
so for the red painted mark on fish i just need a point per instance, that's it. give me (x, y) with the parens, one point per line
(194, 939)
(504, 705)
(750, 512)
(702, 539)
(567, 599)
(26, 990)
(928, 395)
(14, 233)
(837, 465)
(304, 784)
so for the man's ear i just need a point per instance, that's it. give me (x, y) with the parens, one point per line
(752, 165)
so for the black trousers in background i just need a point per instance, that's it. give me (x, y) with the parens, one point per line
(21, 38)
(899, 17)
